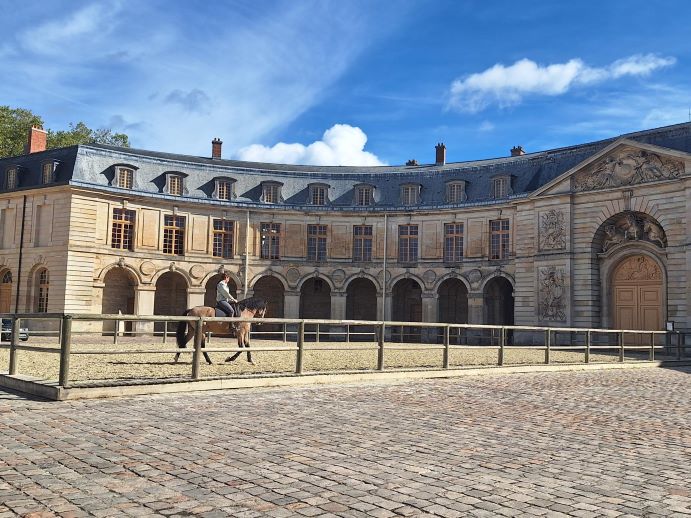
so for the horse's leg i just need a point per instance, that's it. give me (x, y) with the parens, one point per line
(181, 337)
(206, 355)
(247, 344)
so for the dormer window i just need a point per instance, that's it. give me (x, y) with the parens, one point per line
(364, 195)
(224, 189)
(125, 177)
(318, 194)
(455, 192)
(271, 192)
(48, 172)
(174, 184)
(501, 186)
(11, 178)
(410, 194)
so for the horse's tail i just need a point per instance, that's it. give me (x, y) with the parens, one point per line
(181, 331)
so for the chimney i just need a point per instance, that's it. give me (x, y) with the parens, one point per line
(36, 141)
(412, 161)
(441, 154)
(216, 148)
(517, 151)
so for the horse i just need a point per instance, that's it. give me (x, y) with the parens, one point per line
(249, 308)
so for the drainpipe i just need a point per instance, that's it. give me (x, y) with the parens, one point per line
(247, 251)
(383, 291)
(21, 251)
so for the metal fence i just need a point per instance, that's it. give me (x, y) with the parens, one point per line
(300, 336)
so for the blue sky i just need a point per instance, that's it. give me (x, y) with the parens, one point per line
(350, 82)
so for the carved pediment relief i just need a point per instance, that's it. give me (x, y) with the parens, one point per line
(638, 268)
(632, 226)
(626, 165)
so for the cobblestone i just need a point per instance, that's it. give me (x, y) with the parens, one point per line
(597, 443)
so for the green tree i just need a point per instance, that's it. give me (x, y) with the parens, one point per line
(14, 129)
(16, 122)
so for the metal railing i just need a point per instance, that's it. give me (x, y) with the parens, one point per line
(386, 337)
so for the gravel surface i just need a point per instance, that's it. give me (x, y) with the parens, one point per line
(318, 357)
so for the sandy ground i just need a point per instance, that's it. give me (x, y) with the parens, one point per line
(318, 357)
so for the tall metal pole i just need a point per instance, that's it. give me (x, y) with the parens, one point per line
(383, 283)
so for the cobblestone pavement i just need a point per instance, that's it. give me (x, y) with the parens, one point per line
(597, 443)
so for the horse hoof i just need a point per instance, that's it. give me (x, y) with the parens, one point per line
(229, 359)
(252, 363)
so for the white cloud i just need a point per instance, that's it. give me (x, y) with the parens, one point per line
(507, 85)
(341, 144)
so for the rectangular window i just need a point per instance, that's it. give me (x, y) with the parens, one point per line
(499, 239)
(125, 178)
(455, 192)
(363, 196)
(174, 235)
(47, 170)
(316, 243)
(318, 195)
(11, 179)
(123, 229)
(407, 243)
(500, 187)
(453, 242)
(224, 190)
(271, 193)
(271, 240)
(175, 185)
(362, 243)
(223, 238)
(409, 194)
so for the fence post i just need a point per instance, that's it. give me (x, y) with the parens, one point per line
(680, 341)
(165, 331)
(447, 333)
(548, 346)
(198, 338)
(652, 347)
(301, 348)
(65, 344)
(14, 339)
(285, 333)
(502, 343)
(588, 343)
(380, 351)
(317, 334)
(621, 346)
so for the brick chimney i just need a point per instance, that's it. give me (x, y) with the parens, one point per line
(517, 151)
(36, 141)
(441, 154)
(216, 148)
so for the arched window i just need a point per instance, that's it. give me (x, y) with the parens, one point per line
(42, 281)
(7, 277)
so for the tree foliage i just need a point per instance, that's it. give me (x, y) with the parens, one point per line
(16, 122)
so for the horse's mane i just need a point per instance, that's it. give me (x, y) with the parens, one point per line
(252, 303)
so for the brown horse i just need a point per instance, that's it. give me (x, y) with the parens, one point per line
(249, 308)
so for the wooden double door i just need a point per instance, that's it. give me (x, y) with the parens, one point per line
(638, 294)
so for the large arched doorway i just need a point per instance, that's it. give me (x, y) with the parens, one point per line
(118, 296)
(361, 300)
(637, 291)
(210, 293)
(170, 298)
(6, 292)
(498, 302)
(315, 299)
(407, 307)
(271, 290)
(453, 302)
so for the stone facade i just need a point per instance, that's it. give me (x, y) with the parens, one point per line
(545, 254)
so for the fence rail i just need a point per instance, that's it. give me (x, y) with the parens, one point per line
(330, 336)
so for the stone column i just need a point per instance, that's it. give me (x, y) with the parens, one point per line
(429, 314)
(144, 305)
(475, 307)
(338, 305)
(291, 308)
(195, 296)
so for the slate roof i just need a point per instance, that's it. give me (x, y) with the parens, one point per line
(92, 166)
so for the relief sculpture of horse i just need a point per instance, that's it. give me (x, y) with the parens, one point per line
(248, 308)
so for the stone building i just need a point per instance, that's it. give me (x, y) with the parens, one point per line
(589, 235)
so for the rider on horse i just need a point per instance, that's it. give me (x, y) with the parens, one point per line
(224, 298)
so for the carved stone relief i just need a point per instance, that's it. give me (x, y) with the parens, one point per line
(552, 230)
(632, 227)
(293, 275)
(638, 268)
(338, 276)
(626, 166)
(551, 293)
(147, 268)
